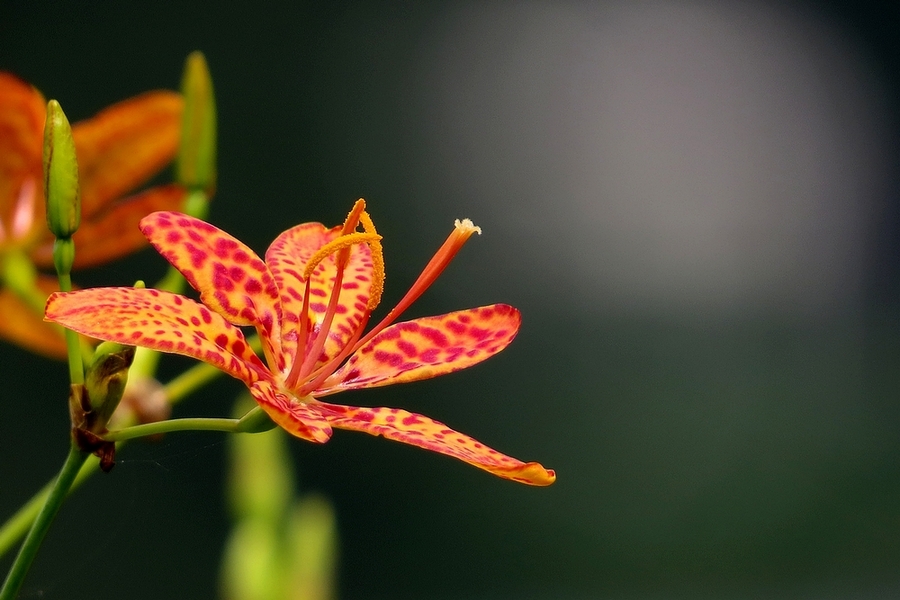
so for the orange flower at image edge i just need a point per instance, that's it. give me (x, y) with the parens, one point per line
(118, 150)
(310, 302)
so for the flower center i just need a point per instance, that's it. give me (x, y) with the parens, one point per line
(304, 375)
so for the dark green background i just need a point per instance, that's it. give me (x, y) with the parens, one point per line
(734, 456)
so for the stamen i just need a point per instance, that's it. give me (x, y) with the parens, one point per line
(377, 286)
(352, 219)
(293, 375)
(324, 372)
(312, 355)
(307, 355)
(317, 376)
(339, 243)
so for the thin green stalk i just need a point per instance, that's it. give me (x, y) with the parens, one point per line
(73, 343)
(54, 500)
(170, 425)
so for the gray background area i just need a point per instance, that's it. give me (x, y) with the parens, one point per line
(695, 206)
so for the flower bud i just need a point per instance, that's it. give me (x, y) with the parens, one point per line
(105, 381)
(312, 549)
(60, 174)
(196, 165)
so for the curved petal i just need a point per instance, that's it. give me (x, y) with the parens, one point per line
(422, 432)
(22, 326)
(160, 321)
(297, 418)
(426, 348)
(231, 278)
(113, 233)
(124, 145)
(22, 114)
(288, 256)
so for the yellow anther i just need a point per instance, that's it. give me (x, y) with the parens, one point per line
(336, 245)
(352, 219)
(377, 285)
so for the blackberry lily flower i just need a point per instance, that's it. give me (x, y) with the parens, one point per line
(118, 149)
(310, 302)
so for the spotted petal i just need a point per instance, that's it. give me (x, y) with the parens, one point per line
(422, 432)
(160, 321)
(124, 145)
(231, 278)
(288, 256)
(297, 418)
(426, 348)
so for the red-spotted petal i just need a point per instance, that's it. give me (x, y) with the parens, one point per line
(231, 278)
(422, 432)
(427, 347)
(297, 418)
(160, 321)
(288, 256)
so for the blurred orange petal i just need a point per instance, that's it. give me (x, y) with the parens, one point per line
(22, 326)
(124, 145)
(22, 111)
(114, 232)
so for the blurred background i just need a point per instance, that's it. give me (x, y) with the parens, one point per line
(694, 204)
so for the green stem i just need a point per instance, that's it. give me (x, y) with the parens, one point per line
(170, 425)
(73, 343)
(54, 500)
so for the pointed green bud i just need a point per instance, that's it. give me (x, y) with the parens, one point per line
(105, 381)
(196, 166)
(60, 174)
(312, 550)
(251, 565)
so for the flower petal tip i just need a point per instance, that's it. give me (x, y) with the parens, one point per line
(533, 474)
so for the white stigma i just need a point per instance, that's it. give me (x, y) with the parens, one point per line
(467, 226)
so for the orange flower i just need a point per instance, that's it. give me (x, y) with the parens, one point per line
(118, 150)
(309, 301)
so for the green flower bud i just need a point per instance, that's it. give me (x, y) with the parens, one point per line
(312, 550)
(60, 174)
(105, 381)
(196, 165)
